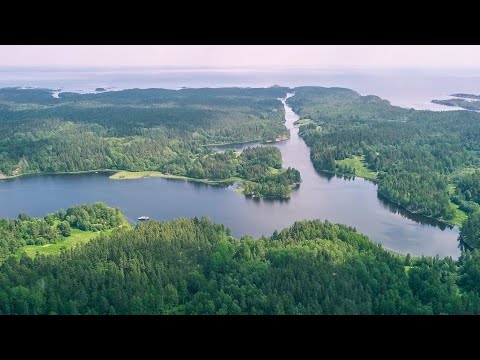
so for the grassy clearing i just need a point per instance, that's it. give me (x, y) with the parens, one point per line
(467, 171)
(463, 172)
(301, 122)
(274, 171)
(459, 217)
(131, 175)
(358, 163)
(237, 153)
(77, 237)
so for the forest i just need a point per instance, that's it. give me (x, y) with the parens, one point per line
(192, 266)
(134, 130)
(56, 227)
(259, 169)
(423, 159)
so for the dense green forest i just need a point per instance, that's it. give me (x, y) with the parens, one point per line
(259, 168)
(419, 155)
(135, 130)
(53, 228)
(470, 232)
(192, 266)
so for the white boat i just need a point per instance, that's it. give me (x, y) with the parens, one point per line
(143, 218)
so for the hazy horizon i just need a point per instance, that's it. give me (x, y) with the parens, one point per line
(276, 57)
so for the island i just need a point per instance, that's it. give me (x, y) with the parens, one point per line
(466, 96)
(258, 169)
(100, 89)
(462, 103)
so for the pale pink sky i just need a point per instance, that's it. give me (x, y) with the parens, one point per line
(324, 56)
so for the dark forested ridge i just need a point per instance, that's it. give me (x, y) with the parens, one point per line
(191, 266)
(419, 155)
(135, 130)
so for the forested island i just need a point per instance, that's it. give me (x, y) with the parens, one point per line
(259, 170)
(466, 96)
(465, 104)
(424, 161)
(192, 266)
(158, 130)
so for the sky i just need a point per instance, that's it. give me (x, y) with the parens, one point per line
(319, 56)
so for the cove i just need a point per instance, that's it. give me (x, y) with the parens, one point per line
(352, 202)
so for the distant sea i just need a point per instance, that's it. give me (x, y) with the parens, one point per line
(406, 88)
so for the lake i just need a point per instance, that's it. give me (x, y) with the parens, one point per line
(320, 196)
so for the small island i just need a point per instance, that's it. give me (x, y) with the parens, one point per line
(258, 169)
(466, 96)
(100, 89)
(461, 102)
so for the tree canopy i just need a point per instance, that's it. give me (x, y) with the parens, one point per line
(192, 266)
(418, 154)
(135, 130)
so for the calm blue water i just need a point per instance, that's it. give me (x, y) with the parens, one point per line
(351, 202)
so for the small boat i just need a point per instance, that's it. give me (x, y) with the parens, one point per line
(143, 218)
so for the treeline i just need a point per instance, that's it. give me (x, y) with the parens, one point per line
(191, 266)
(133, 130)
(417, 154)
(259, 167)
(152, 129)
(27, 230)
(277, 186)
(252, 164)
(470, 232)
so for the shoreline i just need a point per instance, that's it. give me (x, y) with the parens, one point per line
(375, 181)
(59, 173)
(236, 143)
(135, 175)
(444, 222)
(260, 141)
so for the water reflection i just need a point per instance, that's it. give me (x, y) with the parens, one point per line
(396, 209)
